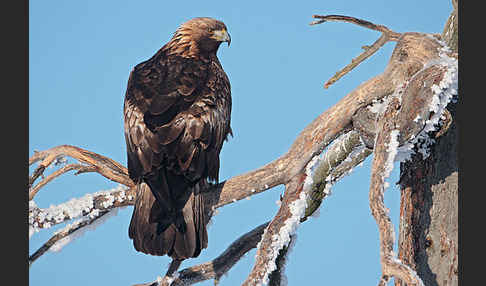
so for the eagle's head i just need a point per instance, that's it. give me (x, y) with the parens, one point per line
(198, 36)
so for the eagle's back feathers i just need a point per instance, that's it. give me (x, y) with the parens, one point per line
(177, 115)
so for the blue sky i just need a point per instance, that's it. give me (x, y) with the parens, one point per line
(80, 56)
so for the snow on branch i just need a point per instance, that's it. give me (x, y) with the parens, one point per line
(87, 205)
(425, 101)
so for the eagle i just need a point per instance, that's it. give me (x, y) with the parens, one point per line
(177, 113)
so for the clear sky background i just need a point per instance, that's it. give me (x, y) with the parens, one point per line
(80, 56)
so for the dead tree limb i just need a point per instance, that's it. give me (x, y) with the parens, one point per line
(386, 36)
(106, 167)
(57, 173)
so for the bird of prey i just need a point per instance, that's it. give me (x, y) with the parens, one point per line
(177, 113)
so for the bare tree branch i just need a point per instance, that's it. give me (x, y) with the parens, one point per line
(272, 251)
(363, 23)
(54, 175)
(106, 167)
(387, 36)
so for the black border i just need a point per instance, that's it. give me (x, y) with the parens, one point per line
(14, 138)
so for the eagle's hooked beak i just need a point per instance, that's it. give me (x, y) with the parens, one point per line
(222, 36)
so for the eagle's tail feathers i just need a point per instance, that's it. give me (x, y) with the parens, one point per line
(154, 232)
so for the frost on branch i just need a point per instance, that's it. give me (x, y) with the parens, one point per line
(92, 209)
(438, 90)
(283, 237)
(88, 205)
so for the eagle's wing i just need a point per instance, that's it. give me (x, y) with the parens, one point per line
(172, 123)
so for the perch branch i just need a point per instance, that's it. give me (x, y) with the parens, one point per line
(387, 36)
(344, 160)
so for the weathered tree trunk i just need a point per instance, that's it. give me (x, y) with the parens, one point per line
(428, 239)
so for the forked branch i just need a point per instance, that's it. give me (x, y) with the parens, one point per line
(387, 36)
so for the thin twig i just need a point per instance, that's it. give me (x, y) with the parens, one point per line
(387, 35)
(363, 23)
(369, 51)
(105, 166)
(54, 175)
(38, 172)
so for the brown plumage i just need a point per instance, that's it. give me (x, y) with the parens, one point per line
(177, 115)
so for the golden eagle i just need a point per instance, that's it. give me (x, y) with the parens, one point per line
(177, 113)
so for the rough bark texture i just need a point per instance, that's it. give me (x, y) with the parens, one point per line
(428, 239)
